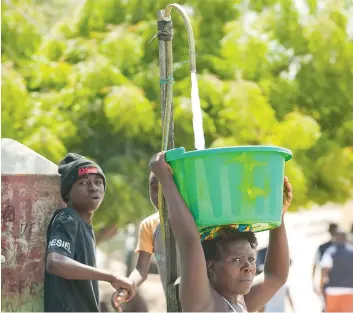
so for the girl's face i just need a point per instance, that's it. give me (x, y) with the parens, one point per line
(235, 271)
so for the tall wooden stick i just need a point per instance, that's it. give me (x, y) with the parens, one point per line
(165, 35)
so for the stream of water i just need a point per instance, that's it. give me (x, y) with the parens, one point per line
(197, 114)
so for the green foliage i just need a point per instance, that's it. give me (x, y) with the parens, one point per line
(125, 104)
(20, 31)
(124, 48)
(84, 78)
(15, 102)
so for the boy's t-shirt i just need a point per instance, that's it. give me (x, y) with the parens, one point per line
(151, 241)
(70, 236)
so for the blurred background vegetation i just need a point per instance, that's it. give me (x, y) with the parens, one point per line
(82, 76)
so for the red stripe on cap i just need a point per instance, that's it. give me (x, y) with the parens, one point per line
(87, 170)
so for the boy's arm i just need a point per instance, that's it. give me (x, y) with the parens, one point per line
(140, 273)
(60, 255)
(144, 249)
(67, 268)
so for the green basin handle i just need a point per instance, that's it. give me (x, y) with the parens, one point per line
(174, 154)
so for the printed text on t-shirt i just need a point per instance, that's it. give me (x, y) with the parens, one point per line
(60, 243)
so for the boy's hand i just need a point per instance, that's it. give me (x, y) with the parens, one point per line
(287, 195)
(160, 168)
(118, 298)
(126, 284)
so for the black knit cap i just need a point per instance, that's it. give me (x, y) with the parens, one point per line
(72, 167)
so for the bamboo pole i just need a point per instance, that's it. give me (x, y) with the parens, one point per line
(165, 35)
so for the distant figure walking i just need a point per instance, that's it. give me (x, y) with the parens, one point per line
(320, 252)
(337, 274)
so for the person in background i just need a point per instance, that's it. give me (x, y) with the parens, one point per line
(337, 274)
(71, 277)
(319, 253)
(150, 242)
(277, 302)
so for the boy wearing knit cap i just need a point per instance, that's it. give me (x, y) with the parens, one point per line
(71, 276)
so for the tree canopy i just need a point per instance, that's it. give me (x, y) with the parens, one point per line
(84, 77)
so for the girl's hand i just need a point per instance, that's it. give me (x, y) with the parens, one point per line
(287, 195)
(160, 168)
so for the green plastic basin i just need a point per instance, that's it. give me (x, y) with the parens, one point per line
(232, 185)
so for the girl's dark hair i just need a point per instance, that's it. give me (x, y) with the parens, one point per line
(213, 248)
